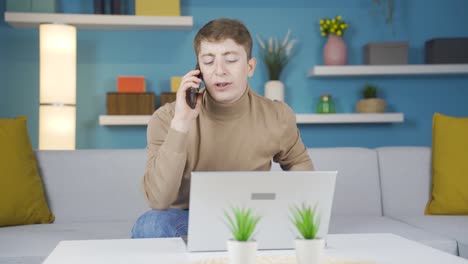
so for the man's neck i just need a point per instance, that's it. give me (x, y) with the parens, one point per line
(226, 111)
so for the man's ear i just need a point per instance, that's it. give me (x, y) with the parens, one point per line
(252, 64)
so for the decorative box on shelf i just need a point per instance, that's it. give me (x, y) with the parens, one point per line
(386, 53)
(131, 84)
(130, 103)
(36, 6)
(167, 97)
(157, 7)
(446, 51)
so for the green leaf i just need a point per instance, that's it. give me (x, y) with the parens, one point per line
(306, 220)
(242, 223)
(369, 91)
(275, 56)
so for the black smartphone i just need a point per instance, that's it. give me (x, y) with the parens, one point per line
(192, 93)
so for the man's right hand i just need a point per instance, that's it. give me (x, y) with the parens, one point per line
(184, 115)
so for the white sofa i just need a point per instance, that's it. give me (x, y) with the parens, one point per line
(96, 194)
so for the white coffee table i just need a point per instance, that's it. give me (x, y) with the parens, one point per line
(378, 248)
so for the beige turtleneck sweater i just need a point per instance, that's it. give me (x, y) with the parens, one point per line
(243, 136)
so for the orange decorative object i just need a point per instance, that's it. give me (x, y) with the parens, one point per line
(131, 84)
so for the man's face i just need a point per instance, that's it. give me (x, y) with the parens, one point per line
(225, 69)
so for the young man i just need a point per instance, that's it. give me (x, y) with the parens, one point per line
(231, 129)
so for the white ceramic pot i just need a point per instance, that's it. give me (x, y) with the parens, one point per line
(274, 90)
(241, 252)
(309, 251)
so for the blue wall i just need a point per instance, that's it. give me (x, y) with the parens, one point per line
(158, 55)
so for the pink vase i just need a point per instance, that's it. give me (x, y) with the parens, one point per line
(334, 51)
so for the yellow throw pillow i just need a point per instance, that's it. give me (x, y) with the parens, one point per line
(449, 166)
(22, 198)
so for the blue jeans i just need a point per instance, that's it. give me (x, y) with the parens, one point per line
(156, 224)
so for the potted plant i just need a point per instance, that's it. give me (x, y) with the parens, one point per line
(370, 103)
(242, 248)
(276, 56)
(387, 9)
(309, 247)
(334, 51)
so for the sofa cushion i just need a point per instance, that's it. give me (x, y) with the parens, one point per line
(405, 178)
(22, 198)
(37, 241)
(463, 250)
(94, 185)
(450, 166)
(455, 227)
(357, 189)
(369, 224)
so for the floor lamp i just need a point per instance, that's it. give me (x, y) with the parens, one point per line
(57, 109)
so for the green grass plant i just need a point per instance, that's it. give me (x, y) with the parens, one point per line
(369, 91)
(306, 220)
(242, 223)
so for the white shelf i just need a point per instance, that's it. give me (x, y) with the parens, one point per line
(380, 70)
(107, 22)
(124, 120)
(132, 120)
(349, 118)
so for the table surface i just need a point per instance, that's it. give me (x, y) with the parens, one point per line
(370, 248)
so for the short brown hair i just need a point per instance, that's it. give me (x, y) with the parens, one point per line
(222, 29)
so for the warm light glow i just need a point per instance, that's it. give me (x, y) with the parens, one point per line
(57, 63)
(57, 112)
(57, 127)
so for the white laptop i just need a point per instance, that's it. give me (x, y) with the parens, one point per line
(270, 193)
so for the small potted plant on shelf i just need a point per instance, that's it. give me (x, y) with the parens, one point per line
(309, 247)
(370, 103)
(242, 248)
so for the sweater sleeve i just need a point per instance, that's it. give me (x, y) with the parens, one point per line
(293, 154)
(166, 158)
